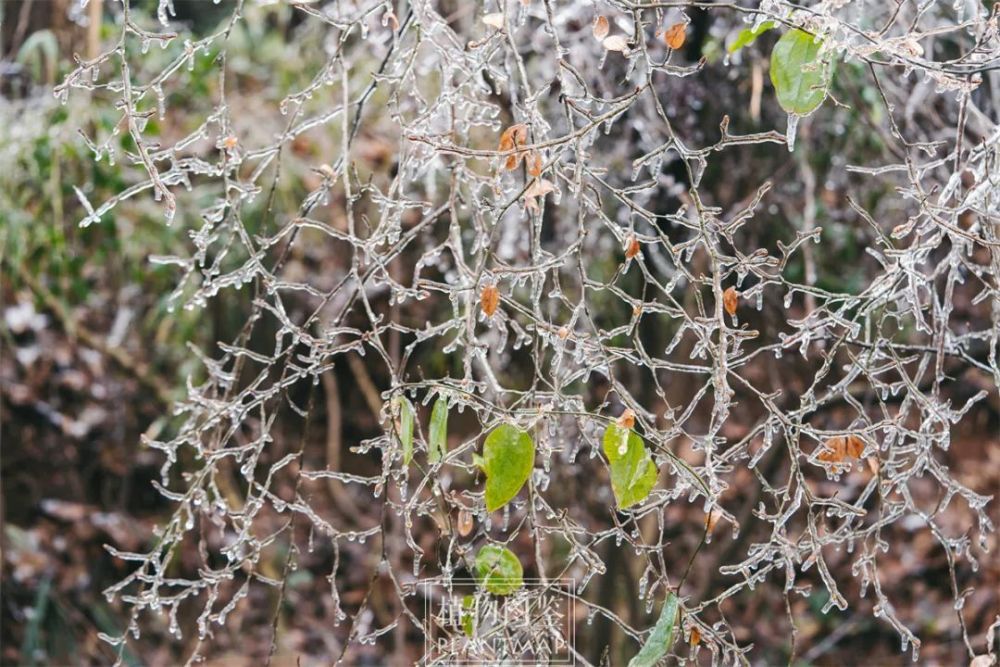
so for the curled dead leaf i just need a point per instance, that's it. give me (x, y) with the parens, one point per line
(632, 247)
(730, 300)
(513, 138)
(535, 164)
(841, 448)
(674, 36)
(601, 28)
(230, 142)
(711, 519)
(494, 20)
(538, 188)
(465, 522)
(390, 17)
(627, 419)
(636, 310)
(489, 300)
(855, 446)
(695, 637)
(563, 333)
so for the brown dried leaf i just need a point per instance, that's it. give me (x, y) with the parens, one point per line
(627, 419)
(711, 519)
(489, 300)
(695, 637)
(674, 36)
(841, 448)
(730, 300)
(539, 188)
(854, 446)
(535, 164)
(511, 139)
(513, 136)
(834, 450)
(465, 522)
(390, 17)
(601, 28)
(632, 247)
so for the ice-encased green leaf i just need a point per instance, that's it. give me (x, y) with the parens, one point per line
(499, 570)
(661, 638)
(468, 615)
(437, 436)
(508, 457)
(633, 473)
(800, 77)
(748, 36)
(404, 412)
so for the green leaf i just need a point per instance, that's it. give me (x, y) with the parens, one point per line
(633, 473)
(437, 438)
(508, 457)
(748, 36)
(498, 569)
(661, 638)
(800, 78)
(469, 615)
(404, 411)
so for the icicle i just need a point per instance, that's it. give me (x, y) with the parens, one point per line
(793, 126)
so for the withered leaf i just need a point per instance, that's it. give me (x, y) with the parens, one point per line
(632, 247)
(539, 188)
(695, 637)
(674, 36)
(535, 164)
(489, 300)
(601, 28)
(390, 17)
(711, 519)
(513, 138)
(627, 419)
(730, 300)
(465, 522)
(855, 446)
(841, 448)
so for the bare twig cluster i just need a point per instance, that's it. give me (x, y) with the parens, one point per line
(544, 229)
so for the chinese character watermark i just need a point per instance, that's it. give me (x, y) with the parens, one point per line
(466, 625)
